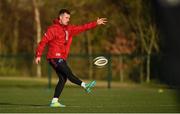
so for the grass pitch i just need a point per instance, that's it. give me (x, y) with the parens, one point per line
(33, 96)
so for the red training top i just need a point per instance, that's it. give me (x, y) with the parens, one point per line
(59, 37)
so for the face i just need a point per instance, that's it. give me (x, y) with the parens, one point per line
(64, 19)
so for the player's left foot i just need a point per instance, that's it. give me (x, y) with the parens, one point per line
(57, 104)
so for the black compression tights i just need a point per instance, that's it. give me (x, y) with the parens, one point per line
(64, 73)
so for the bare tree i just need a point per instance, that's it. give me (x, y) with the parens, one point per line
(15, 28)
(146, 33)
(38, 30)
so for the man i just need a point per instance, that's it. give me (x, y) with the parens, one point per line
(58, 37)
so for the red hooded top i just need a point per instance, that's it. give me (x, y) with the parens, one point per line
(59, 37)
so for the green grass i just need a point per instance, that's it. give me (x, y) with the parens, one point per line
(33, 96)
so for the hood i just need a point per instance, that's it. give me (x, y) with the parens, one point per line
(56, 21)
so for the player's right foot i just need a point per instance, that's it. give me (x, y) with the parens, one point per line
(89, 86)
(57, 104)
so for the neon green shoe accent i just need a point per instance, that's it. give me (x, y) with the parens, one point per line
(89, 86)
(57, 104)
(88, 90)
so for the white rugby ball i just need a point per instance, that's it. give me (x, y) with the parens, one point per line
(100, 61)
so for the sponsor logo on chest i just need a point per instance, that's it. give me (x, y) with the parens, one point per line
(58, 54)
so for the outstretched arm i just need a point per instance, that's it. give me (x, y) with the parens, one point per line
(81, 28)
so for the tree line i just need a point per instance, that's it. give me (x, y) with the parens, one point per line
(130, 29)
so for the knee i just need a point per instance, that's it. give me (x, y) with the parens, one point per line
(62, 80)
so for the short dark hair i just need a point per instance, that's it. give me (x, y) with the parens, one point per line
(62, 11)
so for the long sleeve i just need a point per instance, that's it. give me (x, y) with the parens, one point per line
(45, 39)
(81, 28)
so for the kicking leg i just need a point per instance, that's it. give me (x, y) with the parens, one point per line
(65, 70)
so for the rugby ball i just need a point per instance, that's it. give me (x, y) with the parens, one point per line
(100, 61)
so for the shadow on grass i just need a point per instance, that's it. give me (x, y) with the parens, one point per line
(14, 104)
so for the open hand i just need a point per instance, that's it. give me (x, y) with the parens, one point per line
(101, 21)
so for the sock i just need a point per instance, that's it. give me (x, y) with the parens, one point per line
(54, 100)
(83, 85)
